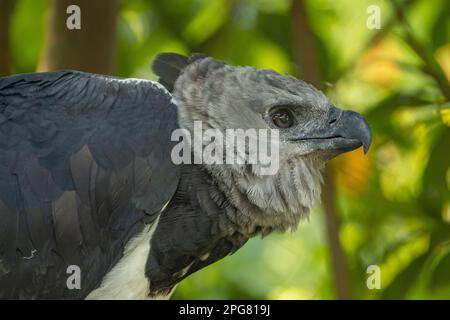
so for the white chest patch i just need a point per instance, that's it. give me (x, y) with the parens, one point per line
(127, 280)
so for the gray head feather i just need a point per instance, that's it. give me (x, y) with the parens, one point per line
(227, 97)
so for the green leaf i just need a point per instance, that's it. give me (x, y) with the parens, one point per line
(440, 275)
(435, 190)
(27, 34)
(403, 282)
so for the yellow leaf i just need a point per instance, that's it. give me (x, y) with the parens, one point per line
(378, 63)
(353, 170)
(445, 115)
(442, 56)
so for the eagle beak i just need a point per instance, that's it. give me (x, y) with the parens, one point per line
(344, 131)
(353, 126)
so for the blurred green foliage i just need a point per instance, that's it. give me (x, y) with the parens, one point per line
(394, 203)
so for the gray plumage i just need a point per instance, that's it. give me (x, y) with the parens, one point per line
(85, 167)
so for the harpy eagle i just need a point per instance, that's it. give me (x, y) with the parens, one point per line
(87, 180)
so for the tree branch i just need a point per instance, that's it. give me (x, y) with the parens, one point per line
(431, 67)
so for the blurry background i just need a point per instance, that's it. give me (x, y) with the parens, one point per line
(390, 208)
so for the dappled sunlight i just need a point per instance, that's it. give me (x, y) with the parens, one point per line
(290, 293)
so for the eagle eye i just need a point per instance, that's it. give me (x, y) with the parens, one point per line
(282, 118)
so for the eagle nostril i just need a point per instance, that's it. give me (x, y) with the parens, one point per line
(333, 115)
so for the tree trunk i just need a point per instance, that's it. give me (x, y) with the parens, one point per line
(6, 7)
(339, 264)
(309, 68)
(305, 50)
(91, 48)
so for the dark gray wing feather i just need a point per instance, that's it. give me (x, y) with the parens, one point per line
(84, 165)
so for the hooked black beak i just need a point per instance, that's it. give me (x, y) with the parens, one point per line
(344, 131)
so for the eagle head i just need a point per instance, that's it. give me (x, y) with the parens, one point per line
(310, 131)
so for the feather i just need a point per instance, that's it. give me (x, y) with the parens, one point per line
(168, 66)
(68, 144)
